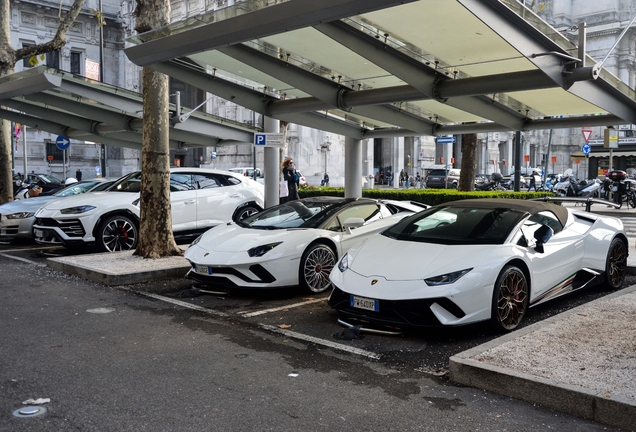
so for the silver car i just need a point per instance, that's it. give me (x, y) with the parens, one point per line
(17, 217)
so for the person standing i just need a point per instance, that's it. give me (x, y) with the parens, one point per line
(78, 174)
(325, 180)
(533, 181)
(292, 179)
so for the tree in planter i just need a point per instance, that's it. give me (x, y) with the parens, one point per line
(156, 239)
(8, 58)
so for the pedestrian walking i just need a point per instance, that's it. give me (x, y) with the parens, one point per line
(291, 178)
(78, 174)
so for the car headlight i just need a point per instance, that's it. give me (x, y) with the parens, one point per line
(344, 263)
(77, 210)
(136, 202)
(447, 278)
(196, 240)
(21, 215)
(262, 250)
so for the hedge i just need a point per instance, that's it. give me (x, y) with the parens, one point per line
(426, 196)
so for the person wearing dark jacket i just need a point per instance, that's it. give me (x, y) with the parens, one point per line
(292, 179)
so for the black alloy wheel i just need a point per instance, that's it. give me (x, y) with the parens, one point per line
(616, 264)
(116, 234)
(245, 212)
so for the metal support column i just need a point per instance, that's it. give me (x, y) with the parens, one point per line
(353, 168)
(272, 163)
(517, 157)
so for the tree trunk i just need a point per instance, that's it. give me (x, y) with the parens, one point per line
(469, 150)
(155, 232)
(6, 177)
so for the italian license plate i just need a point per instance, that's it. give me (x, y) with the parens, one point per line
(364, 303)
(204, 269)
(38, 233)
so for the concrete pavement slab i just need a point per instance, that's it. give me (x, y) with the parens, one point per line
(582, 361)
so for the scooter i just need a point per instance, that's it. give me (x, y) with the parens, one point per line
(584, 189)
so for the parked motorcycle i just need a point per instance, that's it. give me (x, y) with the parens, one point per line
(492, 184)
(623, 190)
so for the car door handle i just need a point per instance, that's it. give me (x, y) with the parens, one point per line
(189, 202)
(234, 195)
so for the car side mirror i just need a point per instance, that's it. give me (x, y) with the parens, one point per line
(351, 223)
(542, 236)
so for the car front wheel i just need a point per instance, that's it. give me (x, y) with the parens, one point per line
(116, 233)
(616, 264)
(510, 299)
(315, 266)
(245, 212)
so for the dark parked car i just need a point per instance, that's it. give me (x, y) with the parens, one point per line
(437, 178)
(47, 182)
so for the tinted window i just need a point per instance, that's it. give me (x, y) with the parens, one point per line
(294, 214)
(457, 225)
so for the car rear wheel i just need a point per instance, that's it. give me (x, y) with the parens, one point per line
(315, 266)
(510, 299)
(117, 233)
(616, 264)
(245, 212)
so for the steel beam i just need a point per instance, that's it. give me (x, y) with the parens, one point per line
(542, 124)
(259, 23)
(533, 44)
(414, 73)
(28, 85)
(324, 89)
(252, 99)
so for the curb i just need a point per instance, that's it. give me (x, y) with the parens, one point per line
(88, 267)
(581, 402)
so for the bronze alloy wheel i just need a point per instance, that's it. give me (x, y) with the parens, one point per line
(510, 300)
(316, 265)
(616, 264)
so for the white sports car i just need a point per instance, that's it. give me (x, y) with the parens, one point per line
(475, 260)
(296, 242)
(200, 199)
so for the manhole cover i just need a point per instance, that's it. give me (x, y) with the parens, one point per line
(29, 411)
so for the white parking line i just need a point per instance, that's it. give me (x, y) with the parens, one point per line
(264, 311)
(23, 260)
(177, 302)
(30, 249)
(327, 343)
(288, 333)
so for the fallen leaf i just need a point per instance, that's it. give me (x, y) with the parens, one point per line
(284, 326)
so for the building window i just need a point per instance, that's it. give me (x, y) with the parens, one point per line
(76, 59)
(25, 61)
(52, 150)
(53, 59)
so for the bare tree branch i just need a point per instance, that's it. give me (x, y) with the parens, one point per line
(58, 41)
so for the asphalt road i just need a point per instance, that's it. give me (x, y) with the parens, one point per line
(144, 357)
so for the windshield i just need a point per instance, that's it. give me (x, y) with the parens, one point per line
(457, 226)
(129, 183)
(82, 187)
(294, 214)
(48, 179)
